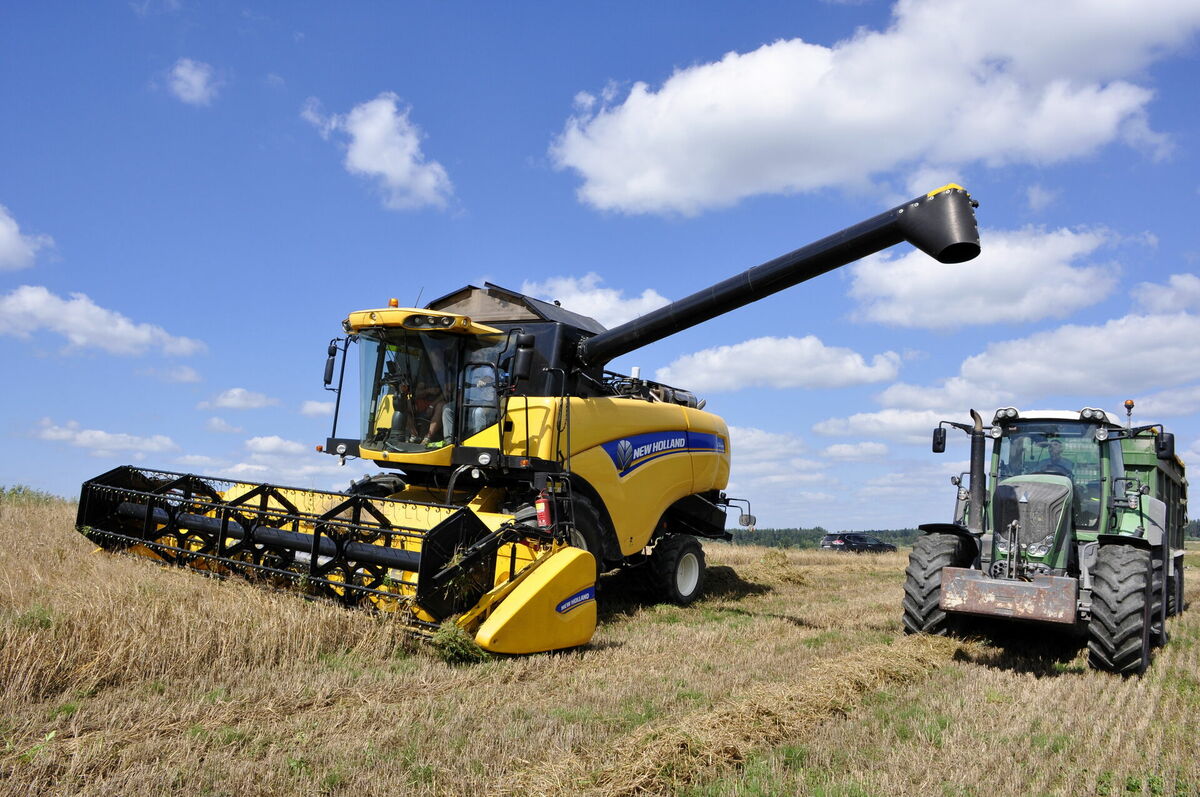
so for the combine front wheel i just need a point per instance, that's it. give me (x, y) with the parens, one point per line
(923, 582)
(678, 564)
(1119, 631)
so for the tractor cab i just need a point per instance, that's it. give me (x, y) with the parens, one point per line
(1052, 475)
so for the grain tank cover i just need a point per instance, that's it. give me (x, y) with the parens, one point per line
(493, 304)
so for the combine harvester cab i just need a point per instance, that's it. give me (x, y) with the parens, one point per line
(517, 469)
(1080, 526)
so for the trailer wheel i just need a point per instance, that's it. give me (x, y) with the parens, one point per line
(1158, 598)
(923, 581)
(1119, 631)
(678, 567)
(1175, 590)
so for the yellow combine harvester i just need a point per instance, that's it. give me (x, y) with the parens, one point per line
(516, 467)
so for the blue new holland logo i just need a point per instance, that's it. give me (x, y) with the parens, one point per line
(578, 599)
(630, 453)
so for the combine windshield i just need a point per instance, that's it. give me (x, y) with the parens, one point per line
(1059, 448)
(414, 383)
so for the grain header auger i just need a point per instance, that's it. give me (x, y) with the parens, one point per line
(516, 468)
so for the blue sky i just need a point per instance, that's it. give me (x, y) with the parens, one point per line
(194, 195)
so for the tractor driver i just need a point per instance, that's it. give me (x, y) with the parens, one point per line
(1056, 463)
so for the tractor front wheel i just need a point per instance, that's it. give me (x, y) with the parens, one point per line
(923, 581)
(1119, 631)
(678, 566)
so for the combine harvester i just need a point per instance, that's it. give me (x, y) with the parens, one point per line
(1079, 527)
(516, 467)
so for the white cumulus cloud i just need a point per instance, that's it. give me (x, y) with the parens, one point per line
(584, 295)
(101, 443)
(900, 426)
(1020, 275)
(317, 409)
(856, 452)
(778, 362)
(18, 250)
(1171, 403)
(221, 425)
(1182, 292)
(385, 144)
(949, 83)
(193, 82)
(273, 444)
(31, 308)
(239, 398)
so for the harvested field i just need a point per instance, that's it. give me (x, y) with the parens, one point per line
(118, 676)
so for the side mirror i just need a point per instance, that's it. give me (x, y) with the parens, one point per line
(939, 440)
(329, 364)
(1164, 446)
(522, 363)
(746, 520)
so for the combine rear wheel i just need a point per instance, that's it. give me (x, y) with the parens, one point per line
(678, 567)
(923, 582)
(1119, 631)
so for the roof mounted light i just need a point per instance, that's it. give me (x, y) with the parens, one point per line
(1101, 434)
(1005, 414)
(1092, 414)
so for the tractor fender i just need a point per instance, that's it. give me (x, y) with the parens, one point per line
(1124, 539)
(956, 529)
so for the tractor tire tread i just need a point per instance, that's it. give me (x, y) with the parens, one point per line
(1119, 630)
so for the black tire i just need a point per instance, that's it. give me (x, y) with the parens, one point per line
(1158, 598)
(1175, 590)
(923, 581)
(1119, 631)
(677, 564)
(587, 533)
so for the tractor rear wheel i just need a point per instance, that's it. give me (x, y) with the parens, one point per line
(923, 581)
(1119, 631)
(678, 567)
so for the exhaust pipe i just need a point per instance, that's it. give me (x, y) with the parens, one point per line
(978, 477)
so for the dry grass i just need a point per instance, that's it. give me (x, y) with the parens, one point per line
(118, 676)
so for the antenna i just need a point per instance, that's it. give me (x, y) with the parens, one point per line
(417, 303)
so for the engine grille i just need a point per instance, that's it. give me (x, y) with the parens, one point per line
(1037, 505)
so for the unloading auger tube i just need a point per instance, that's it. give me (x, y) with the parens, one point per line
(940, 223)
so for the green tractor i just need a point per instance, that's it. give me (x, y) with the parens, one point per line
(1078, 523)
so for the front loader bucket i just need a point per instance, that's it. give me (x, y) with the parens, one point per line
(438, 560)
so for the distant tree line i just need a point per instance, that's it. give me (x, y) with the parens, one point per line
(1192, 529)
(811, 538)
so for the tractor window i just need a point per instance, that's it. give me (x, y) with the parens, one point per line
(1062, 448)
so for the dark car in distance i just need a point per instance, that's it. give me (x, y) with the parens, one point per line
(858, 543)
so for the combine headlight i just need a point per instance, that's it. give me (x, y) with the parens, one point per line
(994, 432)
(1092, 414)
(447, 321)
(1101, 434)
(1002, 544)
(415, 321)
(484, 458)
